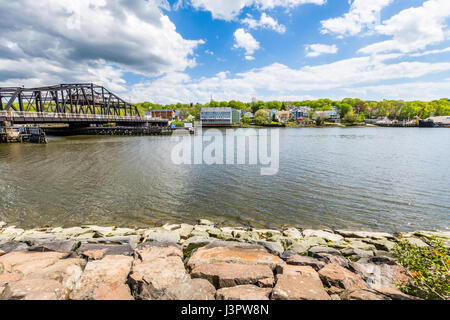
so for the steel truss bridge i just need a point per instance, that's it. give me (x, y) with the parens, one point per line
(78, 103)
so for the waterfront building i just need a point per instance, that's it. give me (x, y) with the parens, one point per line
(333, 115)
(221, 116)
(162, 113)
(300, 112)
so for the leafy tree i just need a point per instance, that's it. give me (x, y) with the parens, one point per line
(262, 117)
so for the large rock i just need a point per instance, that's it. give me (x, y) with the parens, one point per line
(161, 235)
(336, 276)
(362, 294)
(273, 247)
(232, 274)
(364, 234)
(190, 289)
(195, 242)
(156, 269)
(323, 249)
(232, 252)
(299, 287)
(243, 292)
(57, 246)
(25, 263)
(288, 269)
(299, 260)
(332, 258)
(380, 271)
(381, 244)
(52, 283)
(2, 224)
(293, 233)
(303, 245)
(328, 236)
(96, 251)
(8, 247)
(356, 254)
(416, 241)
(8, 234)
(185, 230)
(104, 280)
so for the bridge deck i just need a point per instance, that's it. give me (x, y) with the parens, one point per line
(67, 118)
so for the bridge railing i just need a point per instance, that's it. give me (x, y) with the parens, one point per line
(23, 114)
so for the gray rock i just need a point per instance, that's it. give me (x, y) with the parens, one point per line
(13, 246)
(195, 242)
(205, 222)
(293, 233)
(190, 289)
(304, 244)
(298, 260)
(161, 235)
(416, 242)
(381, 244)
(356, 254)
(364, 234)
(56, 246)
(272, 247)
(323, 249)
(329, 236)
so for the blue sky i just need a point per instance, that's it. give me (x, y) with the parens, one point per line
(192, 50)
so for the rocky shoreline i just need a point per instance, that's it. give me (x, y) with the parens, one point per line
(201, 262)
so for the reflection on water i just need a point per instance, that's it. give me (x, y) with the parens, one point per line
(392, 179)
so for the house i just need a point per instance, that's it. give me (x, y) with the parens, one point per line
(300, 112)
(283, 116)
(162, 113)
(221, 116)
(332, 115)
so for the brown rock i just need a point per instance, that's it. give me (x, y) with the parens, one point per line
(332, 258)
(153, 250)
(52, 283)
(228, 252)
(94, 254)
(190, 289)
(28, 262)
(297, 270)
(361, 294)
(2, 252)
(57, 246)
(231, 274)
(392, 292)
(152, 277)
(243, 292)
(265, 283)
(104, 280)
(299, 260)
(36, 289)
(299, 287)
(337, 276)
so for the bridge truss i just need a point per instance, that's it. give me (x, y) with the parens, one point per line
(77, 98)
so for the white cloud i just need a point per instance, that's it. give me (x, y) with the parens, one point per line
(278, 81)
(406, 91)
(63, 40)
(230, 9)
(246, 41)
(315, 50)
(362, 14)
(426, 53)
(265, 22)
(413, 29)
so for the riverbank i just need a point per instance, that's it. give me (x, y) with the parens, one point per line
(202, 262)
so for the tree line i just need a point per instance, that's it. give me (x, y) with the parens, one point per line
(348, 107)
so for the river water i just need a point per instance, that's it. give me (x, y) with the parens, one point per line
(390, 179)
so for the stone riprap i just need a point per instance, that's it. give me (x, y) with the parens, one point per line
(201, 262)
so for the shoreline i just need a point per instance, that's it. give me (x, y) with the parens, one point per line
(203, 261)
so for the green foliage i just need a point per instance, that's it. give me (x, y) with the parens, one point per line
(262, 117)
(351, 117)
(321, 118)
(428, 268)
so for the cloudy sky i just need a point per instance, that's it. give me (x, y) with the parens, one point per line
(169, 51)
